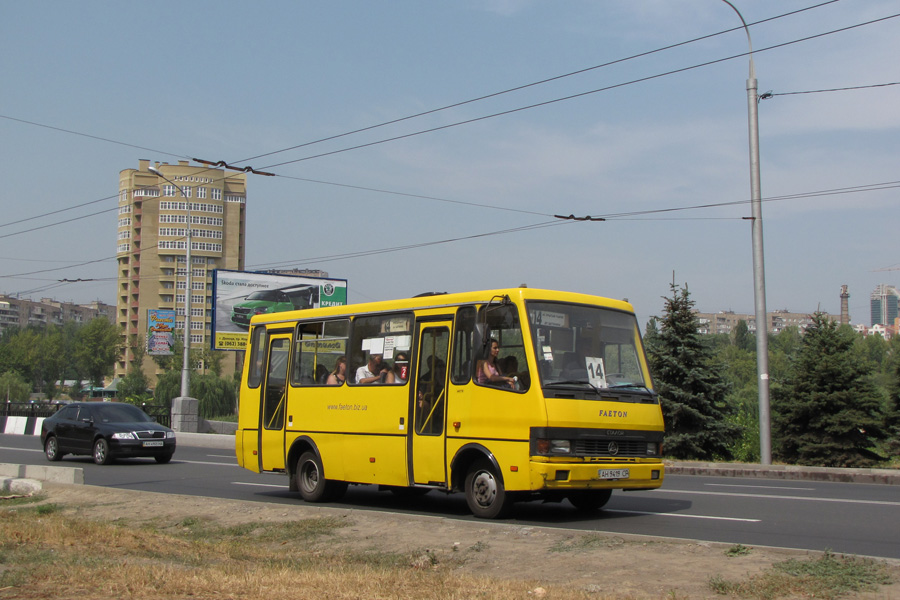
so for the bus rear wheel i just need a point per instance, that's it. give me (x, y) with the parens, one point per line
(485, 494)
(311, 482)
(587, 500)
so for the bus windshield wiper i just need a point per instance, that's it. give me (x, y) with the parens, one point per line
(581, 382)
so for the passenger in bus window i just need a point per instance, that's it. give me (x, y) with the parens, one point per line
(489, 371)
(374, 371)
(339, 374)
(400, 372)
(321, 373)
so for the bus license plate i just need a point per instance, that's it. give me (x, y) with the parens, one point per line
(613, 474)
(153, 444)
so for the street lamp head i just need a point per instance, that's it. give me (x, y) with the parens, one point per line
(155, 171)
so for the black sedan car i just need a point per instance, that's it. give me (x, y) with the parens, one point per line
(106, 431)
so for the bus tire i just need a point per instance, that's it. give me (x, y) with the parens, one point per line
(485, 494)
(588, 500)
(311, 482)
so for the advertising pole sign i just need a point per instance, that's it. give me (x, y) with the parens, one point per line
(160, 332)
(240, 295)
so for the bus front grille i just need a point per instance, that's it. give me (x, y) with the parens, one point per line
(611, 448)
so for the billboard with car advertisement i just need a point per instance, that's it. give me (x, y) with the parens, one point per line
(239, 295)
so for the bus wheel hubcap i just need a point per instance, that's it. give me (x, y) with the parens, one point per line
(485, 488)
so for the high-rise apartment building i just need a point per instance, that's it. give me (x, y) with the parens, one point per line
(151, 247)
(885, 305)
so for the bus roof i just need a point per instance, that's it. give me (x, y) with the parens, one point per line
(442, 300)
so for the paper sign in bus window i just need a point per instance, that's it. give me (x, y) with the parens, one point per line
(596, 371)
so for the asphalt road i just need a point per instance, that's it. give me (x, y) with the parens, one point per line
(851, 518)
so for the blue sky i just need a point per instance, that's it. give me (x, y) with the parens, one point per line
(231, 80)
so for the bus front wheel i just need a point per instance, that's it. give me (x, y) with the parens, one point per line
(587, 500)
(485, 495)
(311, 482)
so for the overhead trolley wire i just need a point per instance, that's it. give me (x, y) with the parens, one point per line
(581, 94)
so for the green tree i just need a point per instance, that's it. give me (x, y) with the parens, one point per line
(133, 387)
(216, 396)
(97, 349)
(827, 412)
(743, 339)
(14, 388)
(690, 384)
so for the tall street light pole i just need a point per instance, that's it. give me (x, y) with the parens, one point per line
(759, 275)
(186, 360)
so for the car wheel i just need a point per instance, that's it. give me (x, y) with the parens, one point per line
(163, 458)
(485, 495)
(51, 449)
(311, 482)
(101, 452)
(588, 500)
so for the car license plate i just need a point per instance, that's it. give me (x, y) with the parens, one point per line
(613, 474)
(153, 444)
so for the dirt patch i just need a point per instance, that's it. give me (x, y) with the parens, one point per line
(610, 565)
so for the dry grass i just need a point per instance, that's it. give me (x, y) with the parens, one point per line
(45, 554)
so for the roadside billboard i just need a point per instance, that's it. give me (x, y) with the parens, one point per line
(239, 295)
(160, 332)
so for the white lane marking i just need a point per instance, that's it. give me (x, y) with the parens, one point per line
(758, 487)
(21, 449)
(776, 497)
(203, 462)
(683, 516)
(231, 456)
(258, 484)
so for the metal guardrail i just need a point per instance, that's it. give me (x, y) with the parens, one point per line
(46, 409)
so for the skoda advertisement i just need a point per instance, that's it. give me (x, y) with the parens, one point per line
(239, 295)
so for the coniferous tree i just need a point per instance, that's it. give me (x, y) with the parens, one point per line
(828, 411)
(691, 387)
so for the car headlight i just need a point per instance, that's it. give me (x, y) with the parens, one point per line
(170, 435)
(124, 435)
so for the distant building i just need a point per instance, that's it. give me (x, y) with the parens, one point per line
(18, 312)
(151, 246)
(299, 272)
(885, 305)
(777, 321)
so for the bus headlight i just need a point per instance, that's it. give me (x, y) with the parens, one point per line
(545, 446)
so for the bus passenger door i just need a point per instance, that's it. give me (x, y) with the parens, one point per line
(274, 404)
(430, 404)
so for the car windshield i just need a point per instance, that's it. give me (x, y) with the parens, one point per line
(123, 413)
(586, 346)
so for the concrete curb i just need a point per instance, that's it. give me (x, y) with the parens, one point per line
(786, 472)
(205, 440)
(73, 475)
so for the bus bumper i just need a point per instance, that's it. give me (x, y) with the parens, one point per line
(621, 476)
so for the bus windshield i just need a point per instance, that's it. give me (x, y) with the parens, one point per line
(586, 346)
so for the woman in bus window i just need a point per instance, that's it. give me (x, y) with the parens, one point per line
(489, 371)
(339, 375)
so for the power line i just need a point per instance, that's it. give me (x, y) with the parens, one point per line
(578, 95)
(843, 89)
(535, 83)
(872, 187)
(93, 137)
(517, 88)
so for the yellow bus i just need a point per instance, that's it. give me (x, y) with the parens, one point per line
(505, 395)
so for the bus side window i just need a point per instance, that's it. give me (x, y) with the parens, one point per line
(257, 353)
(464, 350)
(318, 346)
(375, 343)
(505, 328)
